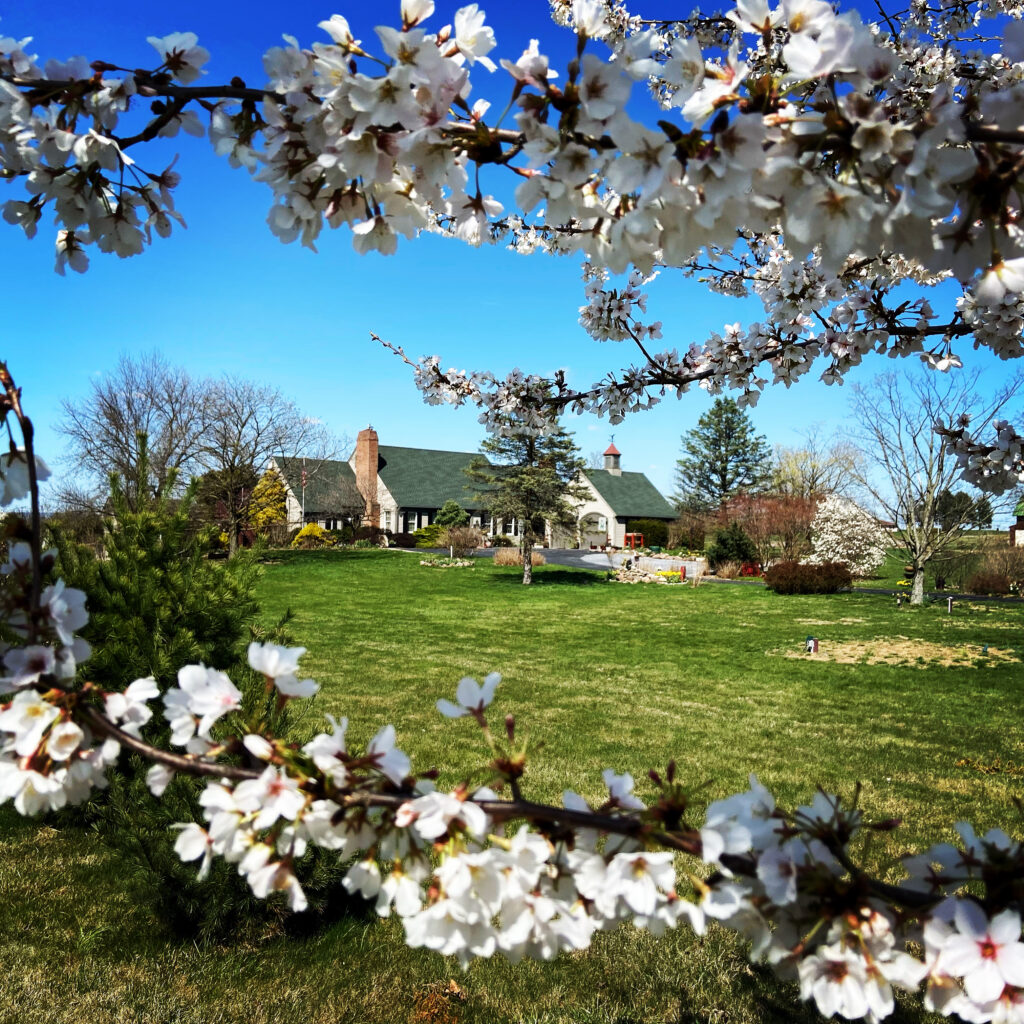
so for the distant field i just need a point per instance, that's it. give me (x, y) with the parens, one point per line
(907, 702)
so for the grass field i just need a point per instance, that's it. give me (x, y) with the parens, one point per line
(921, 707)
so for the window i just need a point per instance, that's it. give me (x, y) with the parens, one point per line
(387, 520)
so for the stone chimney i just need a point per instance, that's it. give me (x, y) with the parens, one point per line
(366, 474)
(611, 460)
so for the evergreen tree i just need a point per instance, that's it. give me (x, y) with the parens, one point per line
(531, 479)
(722, 457)
(958, 509)
(451, 513)
(269, 504)
(158, 602)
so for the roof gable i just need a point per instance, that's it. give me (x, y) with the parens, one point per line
(630, 495)
(330, 485)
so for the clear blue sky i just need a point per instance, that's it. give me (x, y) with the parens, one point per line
(225, 295)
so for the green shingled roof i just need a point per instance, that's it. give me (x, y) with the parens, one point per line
(1019, 508)
(330, 486)
(631, 495)
(422, 478)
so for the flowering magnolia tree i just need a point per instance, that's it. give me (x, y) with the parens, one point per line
(801, 154)
(843, 532)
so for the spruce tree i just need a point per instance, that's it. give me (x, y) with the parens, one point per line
(722, 457)
(157, 601)
(530, 479)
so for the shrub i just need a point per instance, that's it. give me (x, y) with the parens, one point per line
(1002, 560)
(374, 534)
(988, 582)
(689, 531)
(513, 556)
(501, 541)
(461, 540)
(403, 540)
(728, 570)
(731, 545)
(428, 536)
(451, 513)
(312, 536)
(654, 530)
(279, 536)
(803, 578)
(157, 602)
(268, 505)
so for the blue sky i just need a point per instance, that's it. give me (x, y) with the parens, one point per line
(226, 296)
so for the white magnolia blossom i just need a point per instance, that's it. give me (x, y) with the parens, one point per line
(844, 532)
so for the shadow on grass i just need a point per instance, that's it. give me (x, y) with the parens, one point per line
(546, 577)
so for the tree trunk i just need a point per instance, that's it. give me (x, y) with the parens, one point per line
(526, 546)
(917, 589)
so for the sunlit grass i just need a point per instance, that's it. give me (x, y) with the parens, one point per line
(597, 675)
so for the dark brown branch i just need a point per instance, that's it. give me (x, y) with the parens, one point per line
(499, 810)
(988, 133)
(153, 129)
(178, 762)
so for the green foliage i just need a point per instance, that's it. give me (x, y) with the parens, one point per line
(501, 541)
(428, 536)
(722, 457)
(655, 531)
(731, 544)
(531, 479)
(451, 513)
(707, 664)
(269, 503)
(312, 536)
(797, 578)
(157, 602)
(958, 508)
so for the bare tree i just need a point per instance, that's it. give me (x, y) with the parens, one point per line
(778, 524)
(820, 466)
(247, 424)
(144, 410)
(330, 493)
(907, 465)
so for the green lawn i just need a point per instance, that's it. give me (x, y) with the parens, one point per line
(598, 675)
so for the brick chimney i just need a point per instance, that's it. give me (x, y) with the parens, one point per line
(611, 460)
(366, 474)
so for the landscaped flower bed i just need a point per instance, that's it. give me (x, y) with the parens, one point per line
(447, 563)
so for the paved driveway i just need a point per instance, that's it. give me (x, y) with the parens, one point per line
(570, 557)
